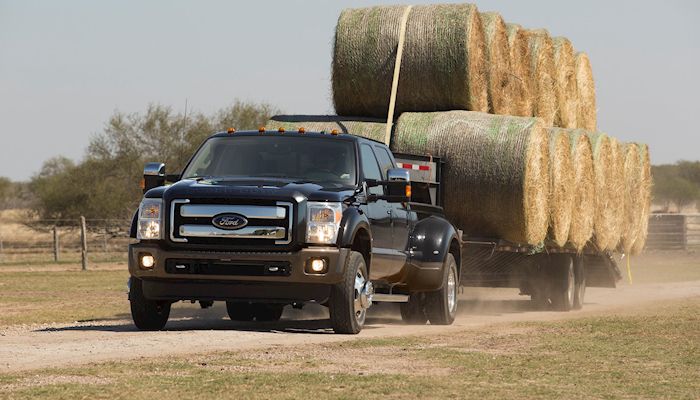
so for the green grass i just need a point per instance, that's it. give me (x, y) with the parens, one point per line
(653, 353)
(63, 296)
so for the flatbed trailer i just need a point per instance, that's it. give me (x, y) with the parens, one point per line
(553, 276)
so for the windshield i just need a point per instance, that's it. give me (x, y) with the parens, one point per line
(302, 159)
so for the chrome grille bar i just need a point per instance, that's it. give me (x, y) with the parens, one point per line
(250, 212)
(249, 232)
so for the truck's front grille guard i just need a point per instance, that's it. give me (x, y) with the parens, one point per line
(286, 205)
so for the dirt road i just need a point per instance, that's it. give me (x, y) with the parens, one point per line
(192, 330)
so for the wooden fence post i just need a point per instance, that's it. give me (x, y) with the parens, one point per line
(83, 241)
(55, 243)
(1, 248)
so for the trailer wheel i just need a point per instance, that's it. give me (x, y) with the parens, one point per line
(148, 315)
(350, 298)
(562, 283)
(413, 312)
(239, 311)
(580, 278)
(268, 312)
(441, 305)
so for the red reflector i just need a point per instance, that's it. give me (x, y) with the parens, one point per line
(415, 167)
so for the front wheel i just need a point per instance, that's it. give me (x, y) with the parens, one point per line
(148, 315)
(350, 298)
(441, 305)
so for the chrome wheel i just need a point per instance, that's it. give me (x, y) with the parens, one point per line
(571, 287)
(363, 296)
(451, 290)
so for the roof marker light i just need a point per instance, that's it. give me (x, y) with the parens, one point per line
(302, 130)
(280, 130)
(261, 129)
(334, 132)
(231, 130)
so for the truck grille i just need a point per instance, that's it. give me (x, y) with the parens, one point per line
(192, 221)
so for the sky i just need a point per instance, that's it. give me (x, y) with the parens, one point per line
(66, 66)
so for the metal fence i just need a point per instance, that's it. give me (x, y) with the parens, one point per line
(674, 232)
(83, 241)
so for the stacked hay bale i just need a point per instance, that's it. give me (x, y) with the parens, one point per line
(497, 169)
(565, 84)
(519, 52)
(633, 195)
(561, 186)
(646, 185)
(444, 65)
(542, 75)
(604, 215)
(368, 128)
(587, 114)
(616, 193)
(583, 210)
(500, 82)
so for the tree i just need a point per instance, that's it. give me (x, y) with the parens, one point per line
(5, 189)
(670, 186)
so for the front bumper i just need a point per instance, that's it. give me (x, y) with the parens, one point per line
(221, 283)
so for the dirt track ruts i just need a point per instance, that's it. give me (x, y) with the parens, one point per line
(193, 331)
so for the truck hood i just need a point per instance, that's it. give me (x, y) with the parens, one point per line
(253, 188)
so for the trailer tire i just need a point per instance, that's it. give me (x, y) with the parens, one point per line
(562, 283)
(240, 311)
(148, 315)
(345, 303)
(413, 312)
(580, 286)
(441, 305)
(267, 312)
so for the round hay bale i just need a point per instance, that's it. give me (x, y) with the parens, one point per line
(583, 210)
(586, 118)
(646, 186)
(500, 81)
(561, 195)
(603, 217)
(497, 171)
(542, 75)
(565, 87)
(633, 195)
(369, 128)
(617, 191)
(443, 66)
(519, 51)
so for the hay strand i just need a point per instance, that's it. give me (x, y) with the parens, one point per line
(444, 66)
(369, 128)
(586, 118)
(519, 52)
(542, 75)
(500, 79)
(497, 171)
(583, 210)
(561, 186)
(565, 88)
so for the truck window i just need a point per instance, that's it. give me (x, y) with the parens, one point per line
(370, 168)
(384, 159)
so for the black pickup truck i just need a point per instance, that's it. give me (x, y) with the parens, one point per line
(264, 219)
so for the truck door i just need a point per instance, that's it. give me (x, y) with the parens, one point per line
(379, 215)
(399, 213)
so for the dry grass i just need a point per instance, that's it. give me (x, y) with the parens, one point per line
(583, 211)
(646, 186)
(542, 75)
(561, 197)
(519, 51)
(501, 83)
(566, 89)
(604, 211)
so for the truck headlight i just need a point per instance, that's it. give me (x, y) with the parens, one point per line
(150, 224)
(323, 222)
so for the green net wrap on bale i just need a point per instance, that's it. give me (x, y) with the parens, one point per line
(443, 65)
(583, 211)
(561, 196)
(565, 85)
(617, 191)
(497, 173)
(633, 195)
(519, 50)
(369, 128)
(542, 75)
(587, 118)
(603, 218)
(501, 82)
(646, 186)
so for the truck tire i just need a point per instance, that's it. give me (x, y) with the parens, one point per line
(562, 284)
(267, 312)
(240, 311)
(148, 315)
(580, 282)
(441, 305)
(345, 303)
(413, 312)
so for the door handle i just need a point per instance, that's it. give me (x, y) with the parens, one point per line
(388, 211)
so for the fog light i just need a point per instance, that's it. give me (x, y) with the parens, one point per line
(147, 261)
(316, 266)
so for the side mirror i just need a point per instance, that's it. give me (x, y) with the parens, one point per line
(153, 176)
(397, 186)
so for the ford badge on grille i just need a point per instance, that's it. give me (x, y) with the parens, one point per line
(229, 221)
